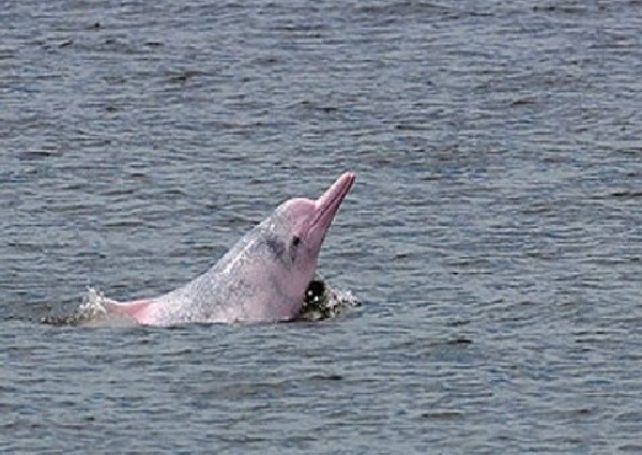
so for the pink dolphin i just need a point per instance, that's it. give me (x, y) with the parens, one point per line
(262, 278)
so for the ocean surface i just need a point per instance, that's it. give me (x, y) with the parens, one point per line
(493, 236)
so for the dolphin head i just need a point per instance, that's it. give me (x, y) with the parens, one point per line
(307, 221)
(292, 238)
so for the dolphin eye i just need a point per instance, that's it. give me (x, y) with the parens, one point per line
(296, 240)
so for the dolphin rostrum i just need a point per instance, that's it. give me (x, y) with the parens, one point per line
(262, 278)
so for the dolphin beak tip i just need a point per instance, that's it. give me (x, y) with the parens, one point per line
(349, 175)
(347, 179)
(334, 195)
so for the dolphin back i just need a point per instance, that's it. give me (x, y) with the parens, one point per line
(239, 287)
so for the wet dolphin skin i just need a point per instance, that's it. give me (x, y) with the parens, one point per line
(262, 278)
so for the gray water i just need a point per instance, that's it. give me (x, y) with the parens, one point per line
(493, 235)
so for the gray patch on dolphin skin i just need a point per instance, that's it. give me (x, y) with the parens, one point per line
(275, 246)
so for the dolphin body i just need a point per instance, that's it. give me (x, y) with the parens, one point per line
(262, 278)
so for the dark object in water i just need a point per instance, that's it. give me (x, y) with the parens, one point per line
(314, 292)
(318, 302)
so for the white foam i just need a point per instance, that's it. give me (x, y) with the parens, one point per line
(93, 304)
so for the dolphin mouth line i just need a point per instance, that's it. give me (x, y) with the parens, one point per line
(336, 194)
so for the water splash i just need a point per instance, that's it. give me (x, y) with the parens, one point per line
(323, 302)
(92, 309)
